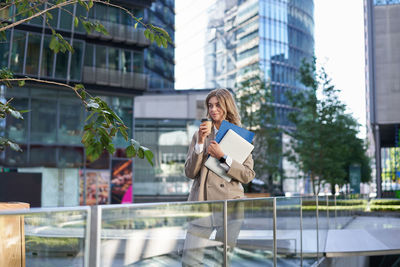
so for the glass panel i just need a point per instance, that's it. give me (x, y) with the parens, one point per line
(15, 158)
(113, 60)
(66, 17)
(89, 55)
(33, 52)
(113, 14)
(138, 62)
(250, 232)
(47, 58)
(43, 156)
(309, 213)
(76, 61)
(37, 20)
(62, 64)
(54, 13)
(18, 51)
(70, 157)
(288, 235)
(158, 234)
(5, 49)
(72, 120)
(101, 56)
(43, 121)
(101, 12)
(53, 238)
(126, 116)
(17, 129)
(80, 12)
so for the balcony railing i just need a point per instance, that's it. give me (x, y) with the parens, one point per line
(122, 33)
(253, 232)
(107, 77)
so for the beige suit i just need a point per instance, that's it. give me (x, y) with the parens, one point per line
(209, 186)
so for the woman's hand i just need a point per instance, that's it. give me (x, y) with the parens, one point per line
(204, 131)
(215, 150)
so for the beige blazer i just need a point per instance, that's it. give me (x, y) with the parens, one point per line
(209, 186)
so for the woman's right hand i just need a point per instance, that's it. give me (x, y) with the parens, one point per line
(203, 133)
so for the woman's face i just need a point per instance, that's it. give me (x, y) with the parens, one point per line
(215, 110)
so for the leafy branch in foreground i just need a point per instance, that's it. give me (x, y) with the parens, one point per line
(102, 123)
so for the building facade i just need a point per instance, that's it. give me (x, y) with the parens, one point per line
(116, 67)
(271, 36)
(382, 40)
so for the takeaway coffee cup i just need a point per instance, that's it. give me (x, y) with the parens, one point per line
(208, 122)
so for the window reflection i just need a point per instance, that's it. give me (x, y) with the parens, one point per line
(18, 52)
(76, 61)
(32, 59)
(43, 125)
(71, 122)
(47, 58)
(16, 129)
(43, 156)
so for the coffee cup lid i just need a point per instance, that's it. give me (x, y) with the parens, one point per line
(205, 119)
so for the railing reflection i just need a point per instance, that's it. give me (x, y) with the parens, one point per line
(260, 231)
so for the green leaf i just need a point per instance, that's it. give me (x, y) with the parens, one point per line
(21, 83)
(149, 155)
(141, 153)
(90, 3)
(136, 25)
(113, 131)
(92, 104)
(76, 22)
(130, 152)
(54, 44)
(135, 144)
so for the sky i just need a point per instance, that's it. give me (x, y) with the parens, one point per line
(339, 48)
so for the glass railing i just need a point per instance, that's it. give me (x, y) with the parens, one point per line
(295, 231)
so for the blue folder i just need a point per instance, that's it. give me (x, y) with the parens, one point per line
(225, 126)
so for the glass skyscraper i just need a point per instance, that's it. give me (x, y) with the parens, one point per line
(268, 35)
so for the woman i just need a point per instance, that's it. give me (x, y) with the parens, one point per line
(209, 186)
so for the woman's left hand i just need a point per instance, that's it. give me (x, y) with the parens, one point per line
(215, 150)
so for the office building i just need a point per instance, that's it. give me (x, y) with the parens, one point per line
(117, 67)
(382, 40)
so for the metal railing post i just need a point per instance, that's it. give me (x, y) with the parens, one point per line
(274, 231)
(225, 233)
(95, 231)
(301, 232)
(335, 212)
(317, 215)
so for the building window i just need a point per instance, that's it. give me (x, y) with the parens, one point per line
(47, 59)
(76, 61)
(18, 51)
(32, 57)
(44, 121)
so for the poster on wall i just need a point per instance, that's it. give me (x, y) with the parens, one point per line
(97, 187)
(121, 181)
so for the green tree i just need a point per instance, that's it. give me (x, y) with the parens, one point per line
(102, 123)
(325, 141)
(254, 99)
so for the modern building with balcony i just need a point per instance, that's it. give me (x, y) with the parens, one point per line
(382, 39)
(112, 66)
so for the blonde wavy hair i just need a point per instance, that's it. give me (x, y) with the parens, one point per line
(227, 104)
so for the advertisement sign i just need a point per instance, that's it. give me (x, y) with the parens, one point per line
(121, 181)
(355, 178)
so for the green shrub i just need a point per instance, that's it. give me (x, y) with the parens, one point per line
(385, 202)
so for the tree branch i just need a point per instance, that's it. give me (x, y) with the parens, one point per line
(43, 81)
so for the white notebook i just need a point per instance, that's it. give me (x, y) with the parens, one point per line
(234, 146)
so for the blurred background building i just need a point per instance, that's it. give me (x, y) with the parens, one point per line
(117, 67)
(382, 42)
(137, 79)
